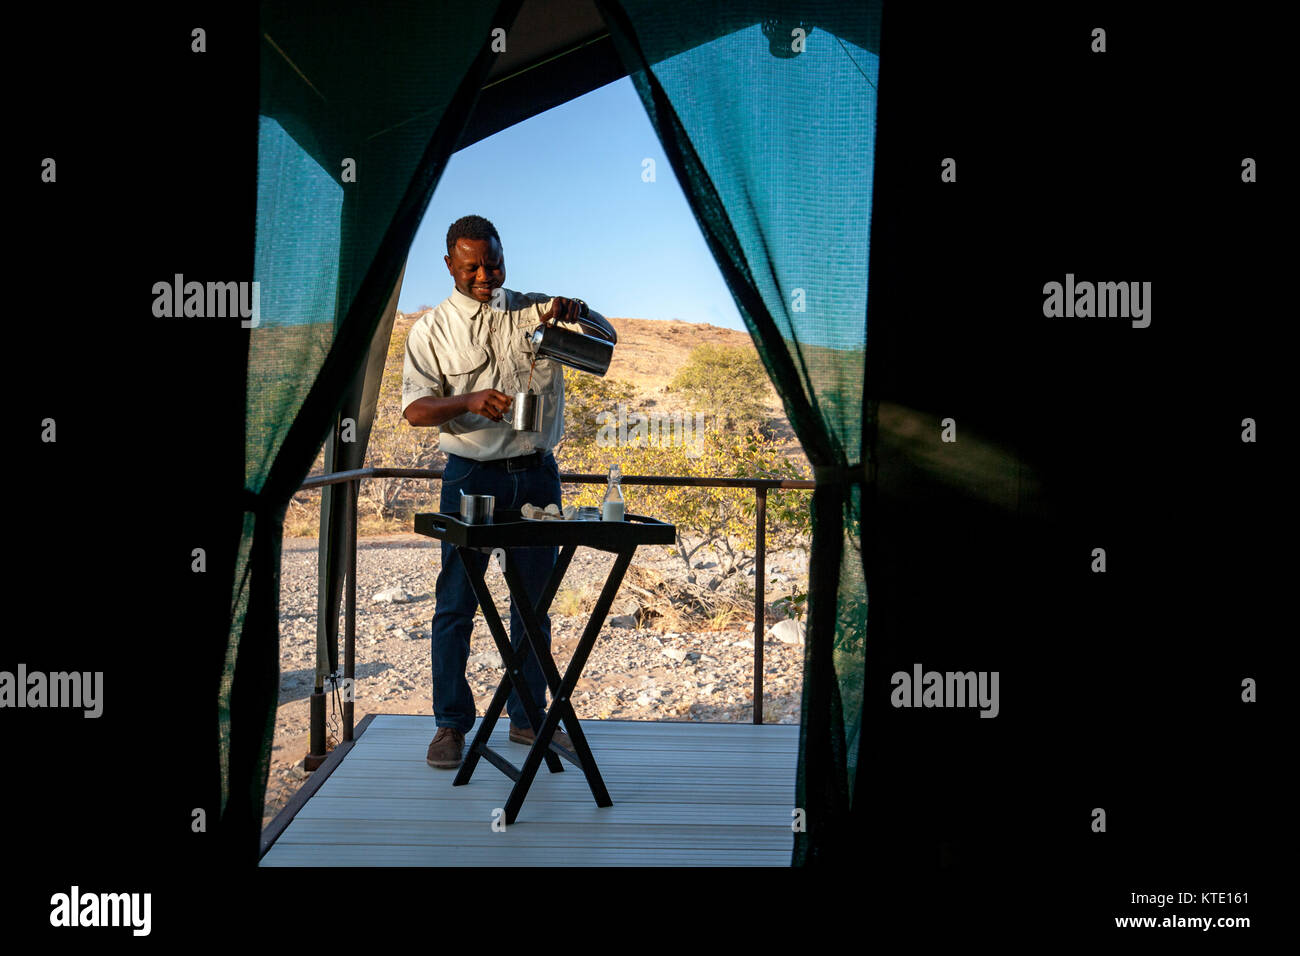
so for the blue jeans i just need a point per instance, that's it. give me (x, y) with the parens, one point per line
(453, 616)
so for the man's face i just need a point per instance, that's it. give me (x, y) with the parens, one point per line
(477, 266)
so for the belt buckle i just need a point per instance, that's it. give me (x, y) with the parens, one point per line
(515, 464)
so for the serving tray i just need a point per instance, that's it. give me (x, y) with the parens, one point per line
(510, 529)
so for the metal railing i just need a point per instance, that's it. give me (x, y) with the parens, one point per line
(353, 481)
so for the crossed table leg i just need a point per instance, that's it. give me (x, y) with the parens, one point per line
(561, 687)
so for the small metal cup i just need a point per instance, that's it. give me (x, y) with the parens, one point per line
(526, 413)
(476, 509)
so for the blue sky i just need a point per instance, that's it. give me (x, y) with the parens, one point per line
(565, 191)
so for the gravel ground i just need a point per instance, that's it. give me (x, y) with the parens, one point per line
(632, 674)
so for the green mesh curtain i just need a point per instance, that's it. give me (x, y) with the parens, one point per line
(359, 111)
(767, 113)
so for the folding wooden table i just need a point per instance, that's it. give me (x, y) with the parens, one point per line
(509, 530)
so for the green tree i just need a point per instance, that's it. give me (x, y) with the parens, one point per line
(393, 442)
(726, 382)
(585, 397)
(719, 519)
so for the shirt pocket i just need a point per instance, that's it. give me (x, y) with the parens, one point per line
(462, 368)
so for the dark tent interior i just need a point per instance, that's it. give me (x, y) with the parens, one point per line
(1122, 689)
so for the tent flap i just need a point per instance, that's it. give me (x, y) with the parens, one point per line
(769, 122)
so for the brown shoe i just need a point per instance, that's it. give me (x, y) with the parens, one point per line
(444, 752)
(525, 735)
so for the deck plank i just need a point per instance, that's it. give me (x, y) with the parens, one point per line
(685, 794)
(504, 855)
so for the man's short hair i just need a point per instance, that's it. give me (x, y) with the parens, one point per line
(470, 227)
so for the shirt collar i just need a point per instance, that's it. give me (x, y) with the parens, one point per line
(464, 304)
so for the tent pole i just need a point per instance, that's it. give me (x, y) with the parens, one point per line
(760, 576)
(350, 632)
(326, 609)
(316, 754)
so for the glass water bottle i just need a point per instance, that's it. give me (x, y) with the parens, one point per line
(611, 509)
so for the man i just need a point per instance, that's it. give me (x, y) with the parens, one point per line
(465, 360)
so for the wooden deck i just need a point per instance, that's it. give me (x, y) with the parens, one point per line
(685, 794)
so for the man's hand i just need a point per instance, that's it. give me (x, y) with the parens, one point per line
(432, 410)
(489, 403)
(563, 310)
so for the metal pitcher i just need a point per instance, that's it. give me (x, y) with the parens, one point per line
(586, 353)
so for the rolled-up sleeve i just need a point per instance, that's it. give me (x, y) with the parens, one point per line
(539, 303)
(421, 374)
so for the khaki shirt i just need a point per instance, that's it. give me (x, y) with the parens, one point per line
(463, 346)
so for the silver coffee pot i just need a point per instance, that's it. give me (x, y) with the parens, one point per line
(586, 353)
